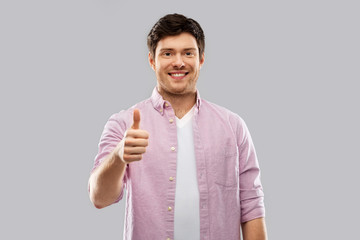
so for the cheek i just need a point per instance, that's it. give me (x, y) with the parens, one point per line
(161, 66)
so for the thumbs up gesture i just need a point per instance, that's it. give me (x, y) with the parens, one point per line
(136, 141)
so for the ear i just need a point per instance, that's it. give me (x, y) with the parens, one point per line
(202, 60)
(151, 61)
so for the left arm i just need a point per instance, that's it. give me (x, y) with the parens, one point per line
(251, 193)
(254, 229)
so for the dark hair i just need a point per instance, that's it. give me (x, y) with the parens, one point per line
(172, 25)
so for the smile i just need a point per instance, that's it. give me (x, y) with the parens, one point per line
(178, 75)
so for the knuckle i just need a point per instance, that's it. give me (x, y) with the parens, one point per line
(129, 142)
(129, 132)
(126, 150)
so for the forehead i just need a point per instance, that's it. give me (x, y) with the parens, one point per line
(182, 41)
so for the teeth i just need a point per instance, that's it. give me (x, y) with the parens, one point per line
(178, 74)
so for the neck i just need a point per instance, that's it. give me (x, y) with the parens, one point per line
(181, 103)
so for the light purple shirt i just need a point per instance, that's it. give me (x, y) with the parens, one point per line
(228, 173)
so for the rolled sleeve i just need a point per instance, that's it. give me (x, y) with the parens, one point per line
(251, 192)
(112, 134)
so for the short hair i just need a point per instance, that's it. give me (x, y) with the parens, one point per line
(172, 25)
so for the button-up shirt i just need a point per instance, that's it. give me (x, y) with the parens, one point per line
(228, 173)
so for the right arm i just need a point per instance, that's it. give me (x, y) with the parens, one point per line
(105, 182)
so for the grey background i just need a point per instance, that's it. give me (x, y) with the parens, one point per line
(289, 68)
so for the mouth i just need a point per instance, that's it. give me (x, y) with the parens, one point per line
(178, 75)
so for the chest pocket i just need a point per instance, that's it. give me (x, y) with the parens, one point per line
(223, 168)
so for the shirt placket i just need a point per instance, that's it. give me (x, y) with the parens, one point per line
(171, 149)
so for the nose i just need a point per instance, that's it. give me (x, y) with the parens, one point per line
(178, 61)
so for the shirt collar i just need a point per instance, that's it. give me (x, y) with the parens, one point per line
(159, 103)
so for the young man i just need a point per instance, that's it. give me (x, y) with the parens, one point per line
(188, 165)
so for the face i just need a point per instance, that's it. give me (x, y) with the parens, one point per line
(177, 64)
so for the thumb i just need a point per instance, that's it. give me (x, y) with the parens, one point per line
(136, 123)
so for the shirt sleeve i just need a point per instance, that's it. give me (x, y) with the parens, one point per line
(251, 192)
(112, 134)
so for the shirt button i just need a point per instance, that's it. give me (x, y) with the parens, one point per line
(166, 104)
(171, 178)
(168, 239)
(171, 120)
(172, 148)
(169, 209)
(161, 110)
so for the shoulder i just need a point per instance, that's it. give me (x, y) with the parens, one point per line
(221, 112)
(225, 117)
(123, 119)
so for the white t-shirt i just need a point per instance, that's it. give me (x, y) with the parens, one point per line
(187, 217)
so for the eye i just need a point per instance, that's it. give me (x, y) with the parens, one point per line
(189, 54)
(167, 54)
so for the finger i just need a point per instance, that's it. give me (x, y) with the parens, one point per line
(134, 150)
(137, 133)
(132, 157)
(136, 121)
(136, 142)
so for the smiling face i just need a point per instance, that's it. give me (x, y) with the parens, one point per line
(177, 64)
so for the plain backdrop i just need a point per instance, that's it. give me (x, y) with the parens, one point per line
(290, 69)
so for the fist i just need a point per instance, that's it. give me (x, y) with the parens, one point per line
(136, 141)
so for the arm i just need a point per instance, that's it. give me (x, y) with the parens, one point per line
(254, 229)
(251, 193)
(105, 183)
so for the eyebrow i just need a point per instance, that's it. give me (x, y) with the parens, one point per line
(190, 49)
(172, 49)
(166, 49)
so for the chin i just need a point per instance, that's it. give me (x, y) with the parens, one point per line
(177, 91)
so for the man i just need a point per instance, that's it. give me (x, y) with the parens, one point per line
(189, 166)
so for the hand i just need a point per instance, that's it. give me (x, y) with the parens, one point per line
(136, 141)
